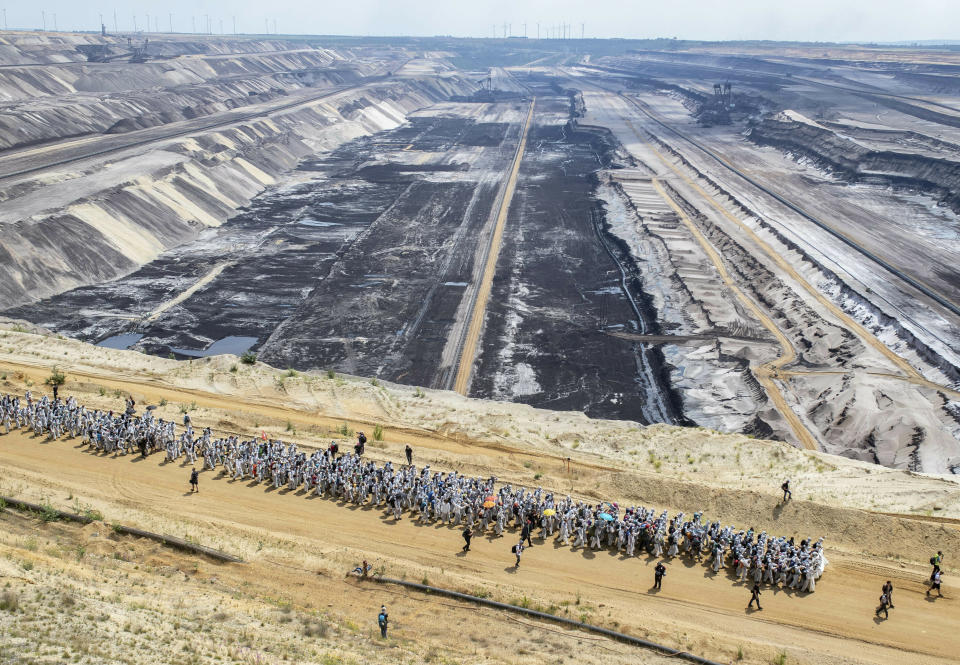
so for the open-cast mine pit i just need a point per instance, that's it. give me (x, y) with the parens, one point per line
(746, 243)
(361, 322)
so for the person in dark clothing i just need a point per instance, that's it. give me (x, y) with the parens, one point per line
(467, 535)
(409, 451)
(935, 562)
(935, 584)
(382, 621)
(884, 605)
(658, 574)
(194, 480)
(56, 391)
(525, 533)
(787, 494)
(755, 596)
(888, 592)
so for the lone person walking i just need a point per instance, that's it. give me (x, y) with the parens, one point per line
(382, 621)
(935, 584)
(787, 494)
(658, 574)
(935, 561)
(517, 551)
(467, 535)
(409, 452)
(194, 480)
(888, 592)
(755, 596)
(884, 605)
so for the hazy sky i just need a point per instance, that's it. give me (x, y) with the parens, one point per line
(809, 20)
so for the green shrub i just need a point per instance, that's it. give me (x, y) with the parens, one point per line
(248, 358)
(48, 513)
(378, 432)
(56, 378)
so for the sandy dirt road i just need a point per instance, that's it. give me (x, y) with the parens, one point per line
(472, 334)
(696, 610)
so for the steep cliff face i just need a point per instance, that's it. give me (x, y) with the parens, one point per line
(853, 162)
(85, 226)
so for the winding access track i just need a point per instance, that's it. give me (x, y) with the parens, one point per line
(910, 374)
(471, 338)
(764, 373)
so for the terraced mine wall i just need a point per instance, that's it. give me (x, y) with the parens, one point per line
(89, 227)
(938, 177)
(46, 101)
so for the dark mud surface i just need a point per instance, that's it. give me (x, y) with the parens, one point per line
(361, 266)
(560, 291)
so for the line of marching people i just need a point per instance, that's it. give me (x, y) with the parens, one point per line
(433, 496)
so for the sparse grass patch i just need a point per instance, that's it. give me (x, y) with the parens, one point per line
(378, 432)
(316, 628)
(248, 358)
(9, 601)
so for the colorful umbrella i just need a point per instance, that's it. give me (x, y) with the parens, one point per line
(606, 516)
(489, 504)
(549, 511)
(491, 498)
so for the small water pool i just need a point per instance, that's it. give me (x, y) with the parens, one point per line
(121, 341)
(235, 344)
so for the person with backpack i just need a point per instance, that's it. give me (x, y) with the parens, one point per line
(935, 561)
(194, 480)
(517, 551)
(382, 620)
(361, 443)
(884, 606)
(787, 494)
(467, 535)
(658, 574)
